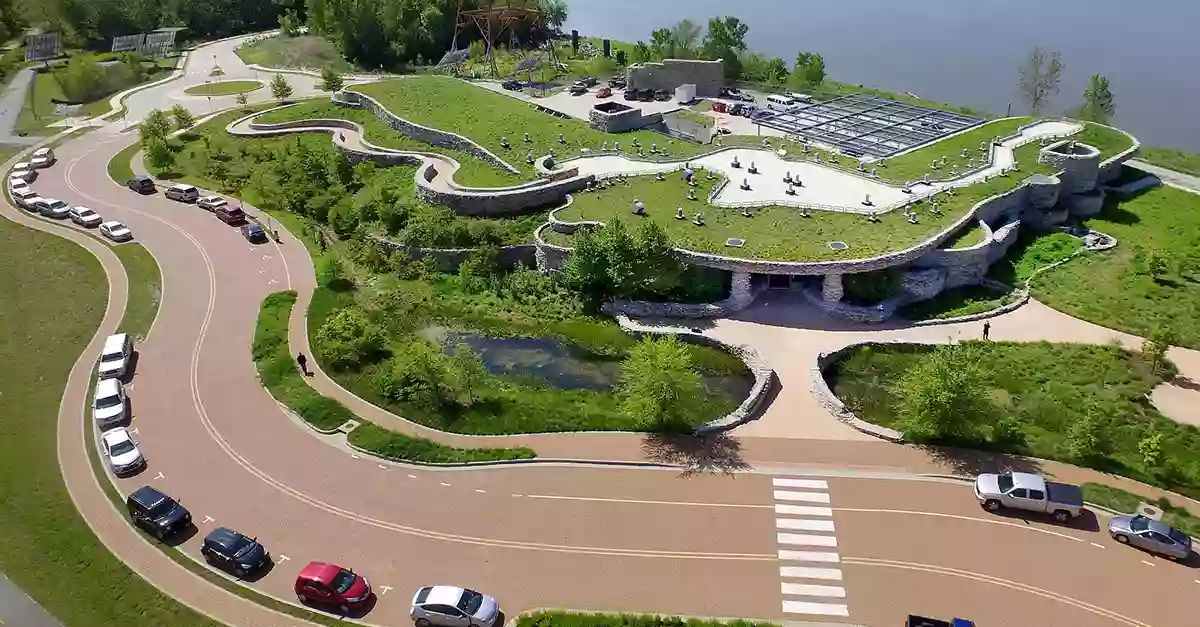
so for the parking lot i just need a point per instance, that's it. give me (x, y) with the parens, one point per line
(580, 107)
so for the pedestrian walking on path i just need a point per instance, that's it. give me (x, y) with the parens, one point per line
(987, 328)
(303, 361)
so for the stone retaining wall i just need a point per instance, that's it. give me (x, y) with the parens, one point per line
(1078, 164)
(825, 396)
(449, 259)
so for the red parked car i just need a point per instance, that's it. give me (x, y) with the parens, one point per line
(604, 92)
(333, 586)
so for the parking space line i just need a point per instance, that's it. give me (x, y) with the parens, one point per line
(805, 539)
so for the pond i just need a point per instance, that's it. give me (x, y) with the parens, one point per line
(561, 364)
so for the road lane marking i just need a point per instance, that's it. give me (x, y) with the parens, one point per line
(808, 497)
(641, 502)
(412, 476)
(1004, 583)
(160, 475)
(812, 484)
(802, 510)
(805, 539)
(802, 524)
(479, 490)
(384, 589)
(209, 519)
(1097, 545)
(809, 572)
(824, 609)
(1147, 563)
(956, 517)
(382, 466)
(445, 484)
(811, 590)
(808, 556)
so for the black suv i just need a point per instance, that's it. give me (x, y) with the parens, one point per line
(157, 513)
(234, 552)
(141, 184)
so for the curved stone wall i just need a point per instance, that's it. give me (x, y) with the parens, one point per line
(833, 404)
(1078, 164)
(1043, 191)
(1086, 204)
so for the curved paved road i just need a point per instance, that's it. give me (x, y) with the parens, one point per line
(567, 536)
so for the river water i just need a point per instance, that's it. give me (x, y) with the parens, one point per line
(966, 52)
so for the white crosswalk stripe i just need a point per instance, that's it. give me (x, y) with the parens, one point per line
(801, 505)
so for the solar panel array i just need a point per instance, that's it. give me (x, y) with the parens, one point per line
(454, 57)
(868, 126)
(528, 64)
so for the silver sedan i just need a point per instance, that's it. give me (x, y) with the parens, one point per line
(1151, 535)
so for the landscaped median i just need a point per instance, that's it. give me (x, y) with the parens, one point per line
(278, 372)
(554, 618)
(224, 88)
(1125, 502)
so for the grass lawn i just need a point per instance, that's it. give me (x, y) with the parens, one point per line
(279, 373)
(579, 619)
(915, 164)
(486, 116)
(1109, 142)
(76, 579)
(225, 88)
(706, 121)
(1125, 502)
(780, 233)
(1046, 388)
(1186, 162)
(1115, 288)
(966, 238)
(958, 301)
(119, 169)
(145, 288)
(310, 53)
(6, 152)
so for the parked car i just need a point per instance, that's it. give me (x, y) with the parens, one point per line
(604, 92)
(121, 451)
(157, 513)
(746, 97)
(617, 82)
(588, 81)
(16, 182)
(116, 231)
(26, 198)
(234, 552)
(1029, 492)
(1151, 535)
(53, 208)
(182, 193)
(578, 90)
(110, 406)
(662, 95)
(451, 606)
(115, 357)
(331, 585)
(254, 233)
(24, 174)
(141, 184)
(231, 215)
(84, 216)
(631, 94)
(43, 156)
(747, 110)
(735, 109)
(646, 95)
(211, 203)
(511, 85)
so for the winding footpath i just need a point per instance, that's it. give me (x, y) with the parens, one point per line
(824, 525)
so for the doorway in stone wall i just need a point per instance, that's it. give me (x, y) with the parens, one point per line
(779, 281)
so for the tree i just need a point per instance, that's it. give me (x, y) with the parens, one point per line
(182, 117)
(281, 89)
(725, 39)
(83, 80)
(1151, 450)
(1156, 344)
(555, 12)
(585, 271)
(289, 24)
(685, 37)
(809, 70)
(659, 386)
(1040, 76)
(943, 398)
(159, 154)
(331, 80)
(242, 99)
(622, 58)
(348, 338)
(662, 42)
(1088, 439)
(156, 125)
(468, 375)
(1097, 101)
(642, 52)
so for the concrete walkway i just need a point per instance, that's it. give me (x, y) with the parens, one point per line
(10, 108)
(18, 610)
(1170, 177)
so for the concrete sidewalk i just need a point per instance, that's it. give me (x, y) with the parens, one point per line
(18, 610)
(1171, 177)
(10, 107)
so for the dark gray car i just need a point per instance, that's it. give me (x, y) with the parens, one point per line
(1151, 535)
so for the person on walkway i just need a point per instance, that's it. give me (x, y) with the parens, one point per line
(987, 328)
(303, 361)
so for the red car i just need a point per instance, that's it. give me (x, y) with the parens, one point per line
(333, 586)
(604, 92)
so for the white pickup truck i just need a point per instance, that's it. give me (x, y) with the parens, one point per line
(1029, 492)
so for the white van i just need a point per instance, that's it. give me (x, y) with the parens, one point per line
(115, 356)
(775, 102)
(182, 193)
(43, 158)
(26, 197)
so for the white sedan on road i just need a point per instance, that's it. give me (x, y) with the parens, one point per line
(84, 216)
(211, 203)
(451, 606)
(116, 231)
(121, 451)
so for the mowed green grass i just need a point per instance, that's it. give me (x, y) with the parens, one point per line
(224, 88)
(780, 233)
(316, 53)
(145, 288)
(485, 116)
(119, 168)
(1112, 289)
(1186, 162)
(914, 165)
(45, 546)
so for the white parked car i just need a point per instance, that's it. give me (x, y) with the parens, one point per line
(26, 198)
(15, 183)
(53, 208)
(110, 405)
(24, 174)
(43, 158)
(121, 451)
(182, 193)
(84, 216)
(115, 356)
(116, 231)
(22, 165)
(211, 203)
(451, 606)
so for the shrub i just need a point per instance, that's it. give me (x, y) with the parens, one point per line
(182, 117)
(348, 338)
(331, 273)
(943, 398)
(659, 385)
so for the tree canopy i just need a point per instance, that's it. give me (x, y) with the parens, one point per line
(93, 23)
